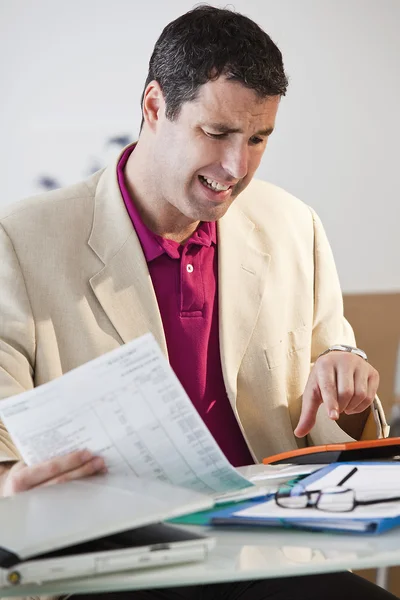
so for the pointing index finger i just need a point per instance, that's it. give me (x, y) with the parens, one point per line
(328, 389)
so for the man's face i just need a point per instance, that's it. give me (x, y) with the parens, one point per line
(210, 152)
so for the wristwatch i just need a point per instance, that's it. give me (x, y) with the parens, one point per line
(344, 348)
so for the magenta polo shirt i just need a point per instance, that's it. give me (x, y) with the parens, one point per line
(185, 282)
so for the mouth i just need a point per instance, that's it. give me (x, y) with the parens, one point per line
(217, 189)
(214, 185)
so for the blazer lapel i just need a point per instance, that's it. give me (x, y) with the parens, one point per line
(123, 286)
(242, 273)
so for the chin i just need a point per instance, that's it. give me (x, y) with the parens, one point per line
(212, 214)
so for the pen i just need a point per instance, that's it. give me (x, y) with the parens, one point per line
(342, 481)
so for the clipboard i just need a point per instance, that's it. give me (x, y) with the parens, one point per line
(382, 449)
(259, 514)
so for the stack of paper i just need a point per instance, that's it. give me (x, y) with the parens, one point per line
(369, 481)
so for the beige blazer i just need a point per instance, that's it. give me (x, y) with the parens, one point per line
(74, 284)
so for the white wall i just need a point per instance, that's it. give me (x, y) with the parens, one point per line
(72, 73)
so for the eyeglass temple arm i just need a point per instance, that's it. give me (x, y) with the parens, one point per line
(366, 502)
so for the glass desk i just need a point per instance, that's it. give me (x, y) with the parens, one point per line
(245, 554)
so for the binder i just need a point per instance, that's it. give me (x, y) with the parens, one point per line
(382, 449)
(266, 513)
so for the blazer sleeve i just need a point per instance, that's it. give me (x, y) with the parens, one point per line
(17, 335)
(330, 327)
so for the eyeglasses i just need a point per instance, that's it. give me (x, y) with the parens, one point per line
(334, 499)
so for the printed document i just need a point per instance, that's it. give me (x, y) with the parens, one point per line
(129, 407)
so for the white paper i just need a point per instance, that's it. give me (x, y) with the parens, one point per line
(129, 407)
(370, 482)
(261, 474)
(270, 509)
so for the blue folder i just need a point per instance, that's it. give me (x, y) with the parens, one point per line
(230, 515)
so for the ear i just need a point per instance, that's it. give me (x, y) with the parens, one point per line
(153, 104)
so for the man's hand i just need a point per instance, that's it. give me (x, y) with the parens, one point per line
(343, 382)
(71, 466)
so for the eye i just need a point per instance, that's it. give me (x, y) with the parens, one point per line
(255, 140)
(215, 136)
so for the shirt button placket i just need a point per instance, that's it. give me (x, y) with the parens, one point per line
(189, 298)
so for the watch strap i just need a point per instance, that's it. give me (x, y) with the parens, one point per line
(345, 348)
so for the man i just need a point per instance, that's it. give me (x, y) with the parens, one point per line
(234, 277)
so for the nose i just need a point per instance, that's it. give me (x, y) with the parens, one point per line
(236, 161)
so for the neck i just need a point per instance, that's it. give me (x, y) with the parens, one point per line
(156, 213)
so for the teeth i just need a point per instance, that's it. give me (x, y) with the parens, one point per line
(214, 185)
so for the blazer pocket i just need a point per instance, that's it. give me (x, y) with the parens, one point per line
(293, 342)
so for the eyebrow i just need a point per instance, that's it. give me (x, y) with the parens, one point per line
(222, 128)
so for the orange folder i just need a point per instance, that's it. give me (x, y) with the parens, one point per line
(382, 449)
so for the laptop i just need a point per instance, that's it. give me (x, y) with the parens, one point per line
(83, 528)
(144, 547)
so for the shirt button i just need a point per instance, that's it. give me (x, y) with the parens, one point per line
(189, 268)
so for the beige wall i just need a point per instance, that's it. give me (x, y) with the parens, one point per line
(376, 322)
